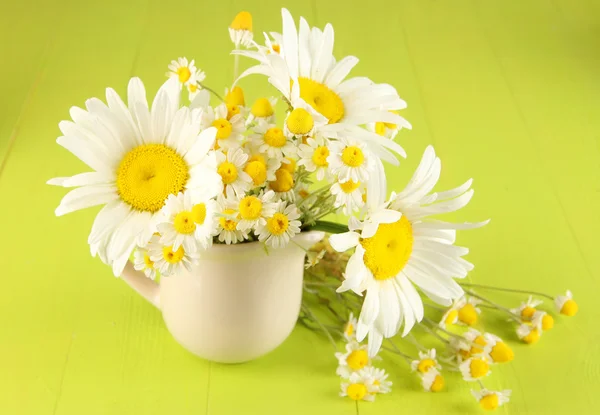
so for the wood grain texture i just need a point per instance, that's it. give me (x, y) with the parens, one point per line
(506, 91)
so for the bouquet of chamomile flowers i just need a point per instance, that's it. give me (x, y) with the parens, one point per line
(178, 175)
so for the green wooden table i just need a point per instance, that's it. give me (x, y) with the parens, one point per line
(507, 91)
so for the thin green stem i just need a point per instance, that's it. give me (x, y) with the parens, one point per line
(356, 402)
(510, 290)
(433, 333)
(409, 358)
(435, 307)
(437, 327)
(212, 91)
(411, 338)
(236, 64)
(498, 306)
(323, 328)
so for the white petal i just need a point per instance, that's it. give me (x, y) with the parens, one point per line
(201, 146)
(375, 341)
(340, 71)
(84, 197)
(341, 242)
(322, 60)
(370, 307)
(290, 43)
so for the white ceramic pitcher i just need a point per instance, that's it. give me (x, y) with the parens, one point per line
(239, 303)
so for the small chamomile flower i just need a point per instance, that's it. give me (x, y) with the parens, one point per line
(303, 121)
(228, 219)
(231, 166)
(463, 311)
(182, 70)
(460, 348)
(497, 350)
(359, 387)
(302, 191)
(192, 86)
(283, 185)
(313, 258)
(354, 359)
(387, 129)
(281, 226)
(313, 156)
(259, 167)
(348, 196)
(490, 400)
(566, 305)
(527, 309)
(189, 222)
(254, 209)
(475, 368)
(240, 30)
(142, 262)
(271, 141)
(230, 130)
(477, 341)
(262, 111)
(350, 160)
(379, 378)
(350, 328)
(170, 261)
(529, 333)
(542, 320)
(427, 361)
(433, 381)
(271, 45)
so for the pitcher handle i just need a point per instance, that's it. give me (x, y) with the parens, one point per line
(144, 286)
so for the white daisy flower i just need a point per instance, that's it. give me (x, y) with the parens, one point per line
(350, 328)
(432, 381)
(359, 387)
(240, 30)
(386, 129)
(280, 227)
(230, 167)
(348, 196)
(254, 209)
(350, 160)
(189, 222)
(182, 71)
(139, 156)
(313, 156)
(398, 248)
(379, 379)
(529, 333)
(527, 309)
(566, 305)
(229, 130)
(427, 361)
(475, 368)
(227, 224)
(142, 262)
(262, 111)
(491, 400)
(354, 359)
(463, 311)
(271, 141)
(542, 320)
(170, 261)
(306, 72)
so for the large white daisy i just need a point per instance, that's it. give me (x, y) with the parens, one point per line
(398, 247)
(306, 72)
(139, 156)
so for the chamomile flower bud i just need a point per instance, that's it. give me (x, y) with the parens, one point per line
(299, 122)
(527, 309)
(529, 333)
(463, 311)
(379, 379)
(262, 110)
(490, 400)
(433, 381)
(359, 387)
(566, 305)
(475, 368)
(427, 361)
(235, 96)
(542, 320)
(354, 359)
(497, 350)
(240, 29)
(283, 185)
(350, 328)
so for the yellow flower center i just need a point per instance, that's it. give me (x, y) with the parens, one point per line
(303, 193)
(193, 87)
(353, 156)
(532, 337)
(184, 223)
(357, 359)
(479, 368)
(184, 74)
(489, 402)
(283, 182)
(232, 110)
(479, 341)
(276, 48)
(425, 364)
(356, 391)
(438, 384)
(173, 257)
(468, 314)
(257, 171)
(199, 213)
(223, 127)
(451, 316)
(278, 224)
(227, 223)
(388, 251)
(242, 21)
(257, 157)
(275, 138)
(547, 322)
(147, 261)
(349, 329)
(502, 353)
(250, 207)
(290, 165)
(380, 128)
(300, 122)
(464, 354)
(349, 186)
(235, 96)
(148, 174)
(527, 312)
(228, 172)
(320, 155)
(322, 99)
(569, 308)
(262, 108)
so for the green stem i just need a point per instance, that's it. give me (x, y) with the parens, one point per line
(498, 306)
(212, 91)
(329, 227)
(323, 328)
(510, 290)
